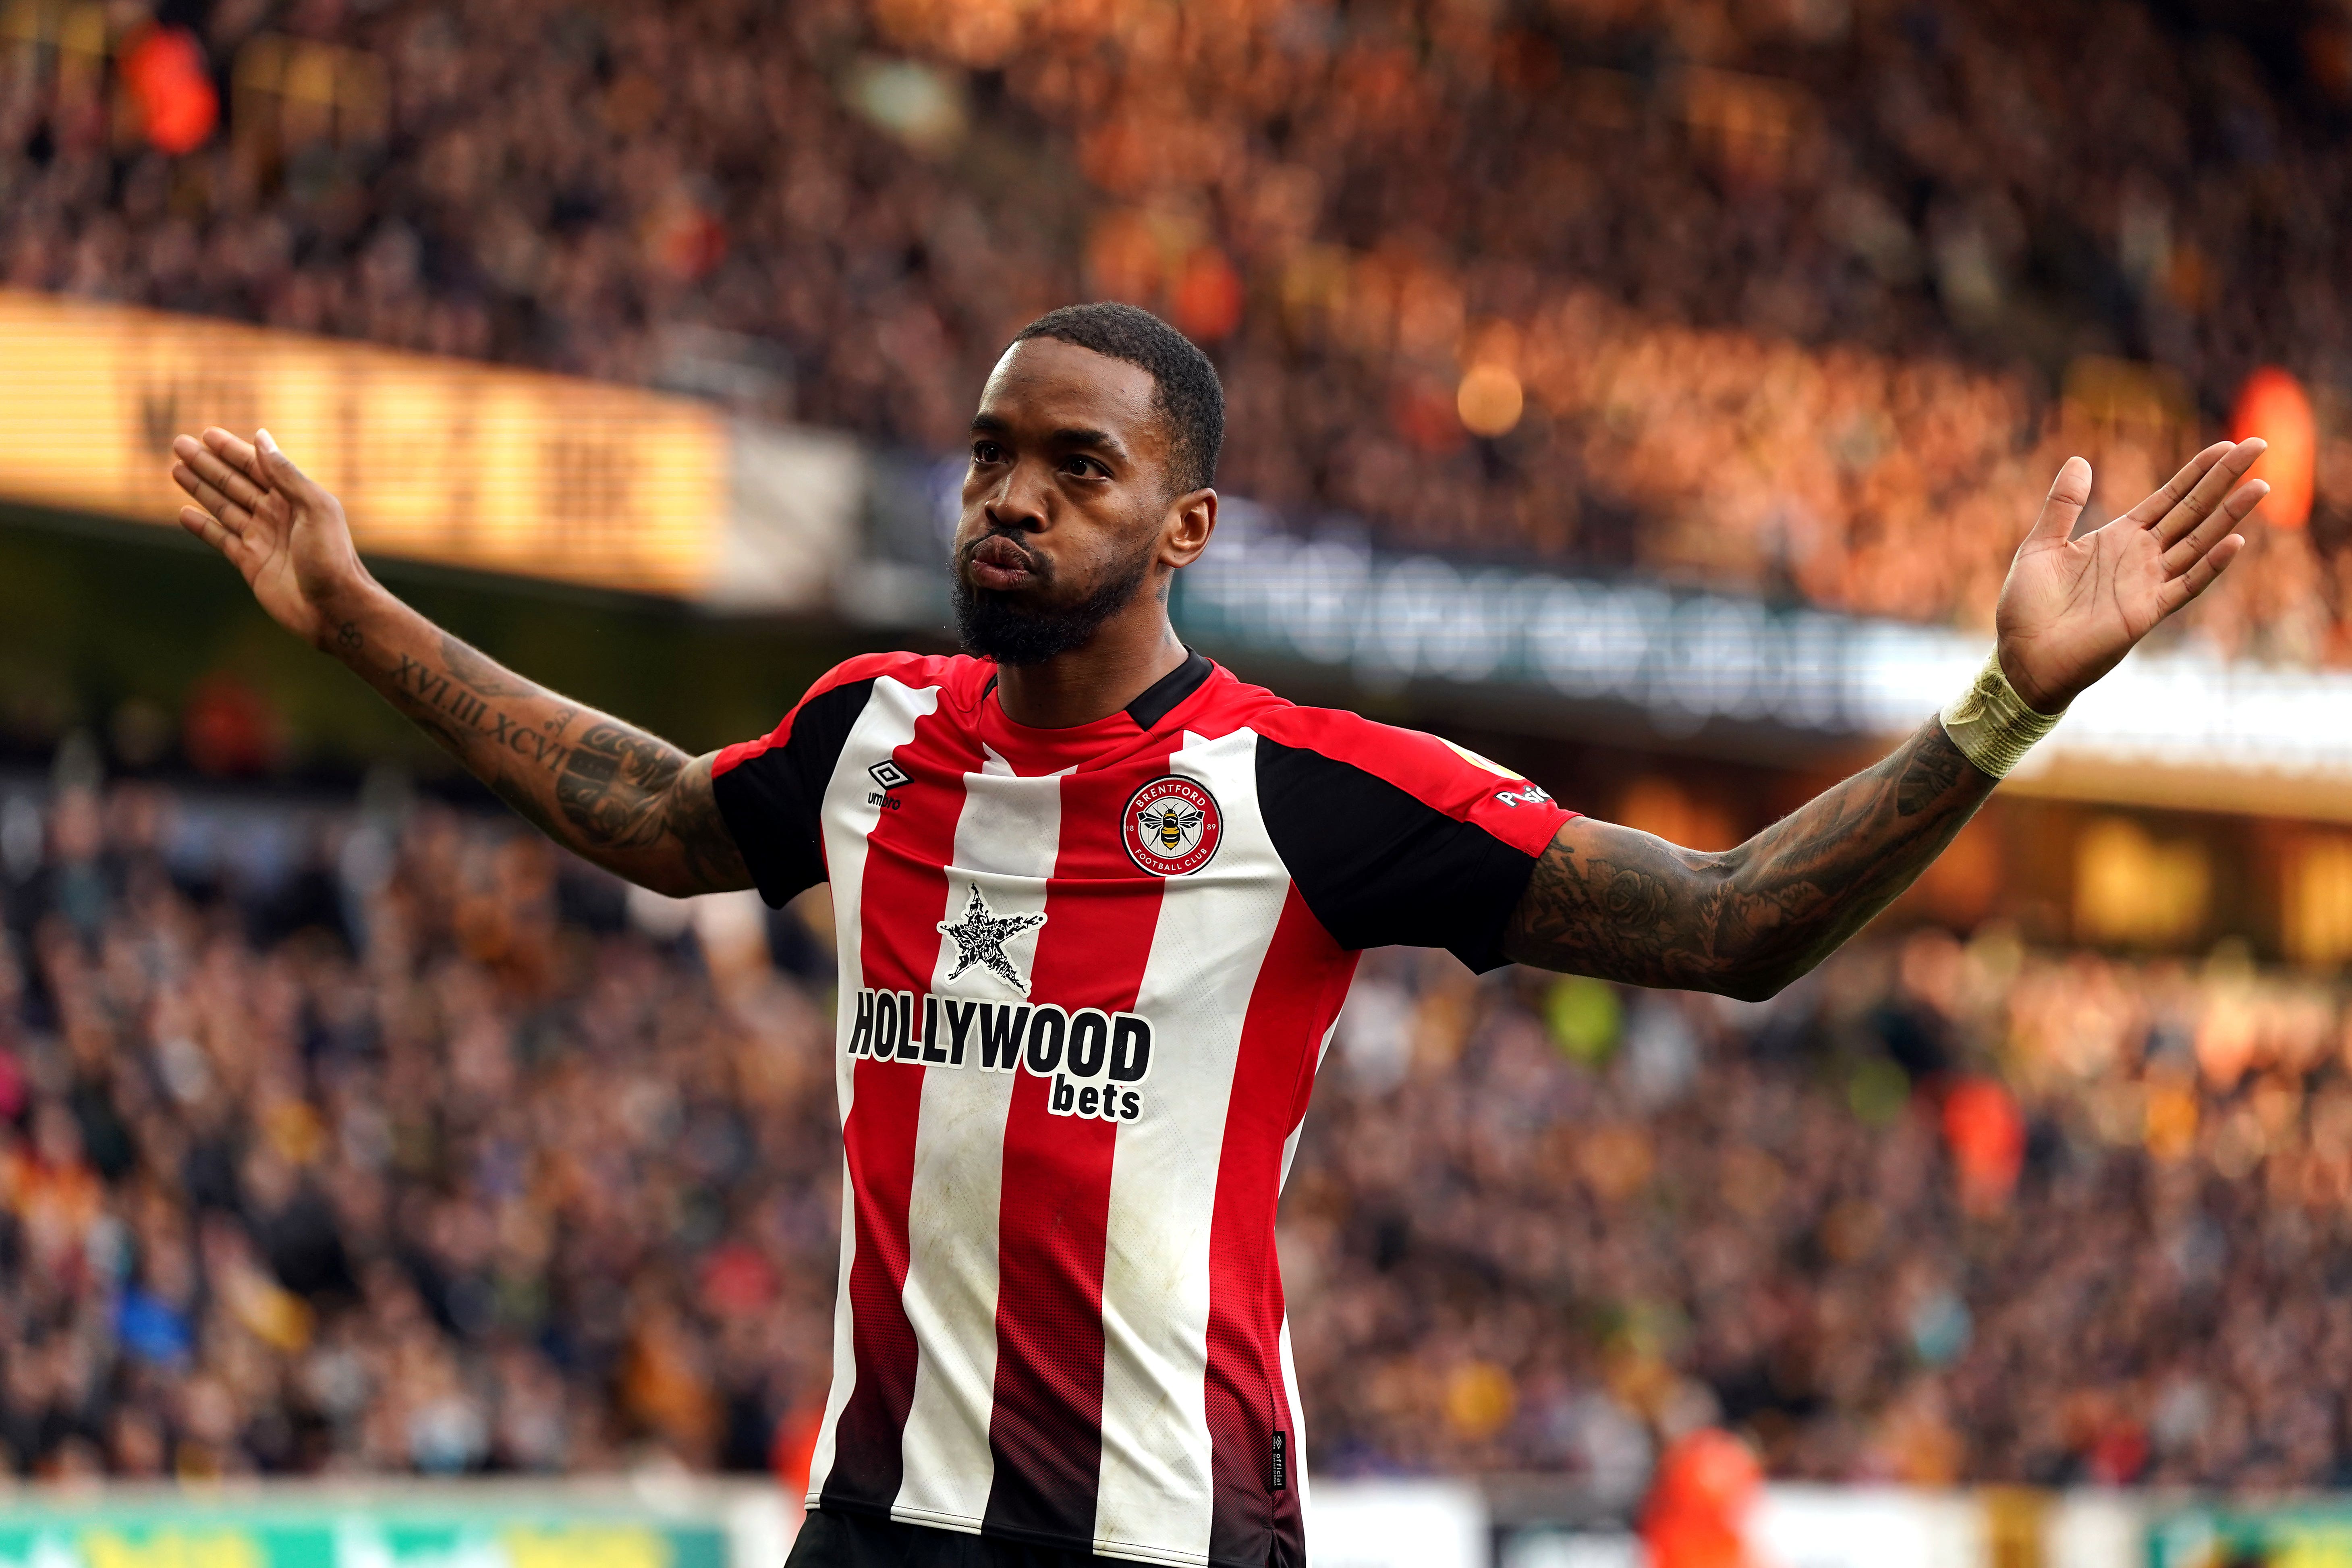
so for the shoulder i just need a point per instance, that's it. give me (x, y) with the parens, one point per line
(1329, 749)
(1443, 773)
(832, 703)
(1226, 703)
(1393, 836)
(954, 671)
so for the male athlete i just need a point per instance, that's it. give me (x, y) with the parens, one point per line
(1099, 902)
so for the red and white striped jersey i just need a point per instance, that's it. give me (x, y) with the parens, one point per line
(1087, 975)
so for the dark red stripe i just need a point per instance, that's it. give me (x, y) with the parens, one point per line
(1298, 992)
(1045, 1433)
(904, 893)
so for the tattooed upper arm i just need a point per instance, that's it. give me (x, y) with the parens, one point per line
(614, 783)
(712, 861)
(625, 791)
(1621, 904)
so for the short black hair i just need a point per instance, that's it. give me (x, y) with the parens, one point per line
(1184, 382)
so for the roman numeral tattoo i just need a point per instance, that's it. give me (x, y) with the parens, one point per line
(624, 798)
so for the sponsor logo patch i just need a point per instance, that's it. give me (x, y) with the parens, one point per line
(1095, 1064)
(1173, 826)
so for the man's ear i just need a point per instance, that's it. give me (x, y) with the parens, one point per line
(1192, 518)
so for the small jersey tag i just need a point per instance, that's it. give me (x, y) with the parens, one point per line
(1281, 1458)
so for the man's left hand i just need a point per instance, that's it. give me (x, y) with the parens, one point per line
(2073, 607)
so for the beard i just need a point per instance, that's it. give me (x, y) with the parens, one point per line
(998, 625)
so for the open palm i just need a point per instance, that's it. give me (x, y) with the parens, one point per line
(284, 532)
(2073, 607)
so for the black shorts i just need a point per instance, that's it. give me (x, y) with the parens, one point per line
(862, 1540)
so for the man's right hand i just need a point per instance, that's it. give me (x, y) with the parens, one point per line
(280, 528)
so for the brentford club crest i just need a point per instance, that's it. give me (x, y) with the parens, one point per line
(1173, 826)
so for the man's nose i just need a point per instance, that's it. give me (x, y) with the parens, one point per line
(1018, 505)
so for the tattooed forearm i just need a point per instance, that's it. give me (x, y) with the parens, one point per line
(481, 675)
(1930, 774)
(701, 833)
(526, 806)
(1611, 901)
(464, 722)
(629, 801)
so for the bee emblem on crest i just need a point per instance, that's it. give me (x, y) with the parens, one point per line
(1170, 824)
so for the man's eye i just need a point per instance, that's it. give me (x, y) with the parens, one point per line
(986, 451)
(1086, 468)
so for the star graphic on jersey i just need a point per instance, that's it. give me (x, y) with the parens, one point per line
(980, 938)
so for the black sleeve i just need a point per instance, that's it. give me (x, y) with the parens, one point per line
(1379, 868)
(773, 798)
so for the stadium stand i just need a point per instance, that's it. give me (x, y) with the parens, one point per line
(362, 1140)
(1724, 320)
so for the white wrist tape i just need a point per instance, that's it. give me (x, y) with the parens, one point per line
(1990, 723)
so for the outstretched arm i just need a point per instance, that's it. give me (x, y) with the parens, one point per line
(1609, 901)
(629, 801)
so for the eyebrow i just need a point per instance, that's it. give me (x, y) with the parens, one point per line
(1068, 436)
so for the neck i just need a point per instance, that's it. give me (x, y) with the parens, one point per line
(1130, 653)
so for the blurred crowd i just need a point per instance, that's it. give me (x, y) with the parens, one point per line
(1804, 297)
(1944, 1211)
(382, 1142)
(386, 1139)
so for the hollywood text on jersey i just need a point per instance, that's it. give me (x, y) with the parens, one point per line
(1095, 1061)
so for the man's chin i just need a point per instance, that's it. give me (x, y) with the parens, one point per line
(1016, 639)
(1012, 628)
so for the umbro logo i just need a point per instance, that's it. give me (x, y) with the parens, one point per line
(889, 775)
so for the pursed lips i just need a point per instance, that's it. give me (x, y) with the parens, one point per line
(999, 562)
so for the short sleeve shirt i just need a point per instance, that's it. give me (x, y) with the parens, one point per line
(1085, 979)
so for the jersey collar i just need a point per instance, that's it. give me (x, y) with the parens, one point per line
(1161, 698)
